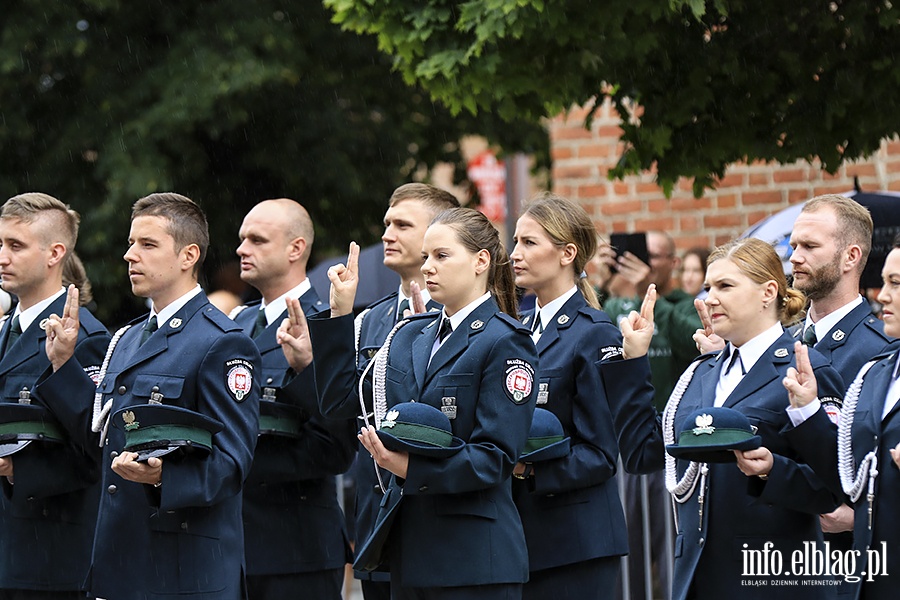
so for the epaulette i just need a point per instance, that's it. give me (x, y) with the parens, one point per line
(239, 309)
(595, 315)
(391, 296)
(220, 319)
(873, 323)
(89, 323)
(514, 323)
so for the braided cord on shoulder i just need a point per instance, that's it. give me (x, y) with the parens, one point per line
(357, 329)
(851, 482)
(100, 415)
(682, 489)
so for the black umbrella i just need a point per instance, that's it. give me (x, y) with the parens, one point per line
(375, 280)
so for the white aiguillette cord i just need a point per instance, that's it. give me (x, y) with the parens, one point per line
(100, 418)
(868, 469)
(378, 366)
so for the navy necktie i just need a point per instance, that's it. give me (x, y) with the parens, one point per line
(260, 325)
(151, 326)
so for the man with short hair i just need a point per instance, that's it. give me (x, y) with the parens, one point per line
(293, 525)
(49, 501)
(411, 209)
(167, 525)
(831, 240)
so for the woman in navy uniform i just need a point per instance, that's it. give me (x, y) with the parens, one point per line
(457, 535)
(860, 458)
(722, 515)
(570, 507)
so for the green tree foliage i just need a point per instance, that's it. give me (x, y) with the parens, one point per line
(229, 102)
(716, 81)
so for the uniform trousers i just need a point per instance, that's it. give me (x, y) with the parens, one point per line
(316, 585)
(585, 580)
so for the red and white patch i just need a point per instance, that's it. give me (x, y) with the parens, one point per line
(519, 382)
(238, 378)
(832, 408)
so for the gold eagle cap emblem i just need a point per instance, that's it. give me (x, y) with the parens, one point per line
(130, 423)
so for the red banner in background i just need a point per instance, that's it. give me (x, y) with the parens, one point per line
(489, 176)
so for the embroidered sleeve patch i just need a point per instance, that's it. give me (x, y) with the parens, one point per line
(832, 407)
(93, 372)
(609, 352)
(238, 378)
(519, 380)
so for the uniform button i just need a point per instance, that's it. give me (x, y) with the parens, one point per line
(122, 389)
(702, 541)
(303, 497)
(424, 488)
(269, 380)
(113, 454)
(31, 498)
(376, 487)
(184, 525)
(45, 512)
(112, 489)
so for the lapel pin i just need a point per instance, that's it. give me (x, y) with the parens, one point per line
(43, 324)
(563, 319)
(781, 352)
(175, 323)
(476, 325)
(838, 335)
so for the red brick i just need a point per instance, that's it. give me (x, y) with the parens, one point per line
(570, 132)
(726, 201)
(751, 198)
(837, 188)
(558, 152)
(691, 224)
(731, 180)
(596, 150)
(621, 188)
(798, 195)
(723, 220)
(572, 172)
(789, 175)
(656, 224)
(892, 166)
(685, 203)
(758, 179)
(647, 188)
(862, 170)
(756, 216)
(592, 191)
(660, 205)
(609, 131)
(626, 207)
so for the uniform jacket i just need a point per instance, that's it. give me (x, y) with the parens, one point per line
(458, 525)
(340, 368)
(853, 341)
(292, 520)
(817, 439)
(570, 509)
(47, 518)
(738, 510)
(184, 538)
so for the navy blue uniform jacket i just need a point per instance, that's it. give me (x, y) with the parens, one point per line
(292, 520)
(853, 341)
(458, 525)
(342, 401)
(817, 439)
(185, 538)
(47, 518)
(738, 510)
(570, 509)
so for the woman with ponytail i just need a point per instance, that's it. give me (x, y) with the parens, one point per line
(725, 520)
(457, 534)
(570, 507)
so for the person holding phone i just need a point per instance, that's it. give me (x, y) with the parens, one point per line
(671, 351)
(570, 508)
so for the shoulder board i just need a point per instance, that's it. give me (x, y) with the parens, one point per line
(597, 316)
(389, 297)
(709, 355)
(514, 323)
(140, 320)
(422, 316)
(877, 326)
(219, 318)
(89, 323)
(239, 309)
(884, 355)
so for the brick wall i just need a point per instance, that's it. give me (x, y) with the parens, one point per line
(747, 193)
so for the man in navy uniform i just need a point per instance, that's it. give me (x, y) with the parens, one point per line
(293, 525)
(831, 241)
(167, 527)
(49, 500)
(411, 208)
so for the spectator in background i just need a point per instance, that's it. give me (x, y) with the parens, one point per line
(693, 272)
(671, 351)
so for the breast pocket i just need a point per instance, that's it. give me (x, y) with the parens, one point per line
(549, 385)
(157, 388)
(16, 383)
(455, 391)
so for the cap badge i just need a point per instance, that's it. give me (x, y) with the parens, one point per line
(130, 423)
(781, 353)
(390, 419)
(703, 425)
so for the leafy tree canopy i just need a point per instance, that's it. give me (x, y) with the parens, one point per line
(714, 81)
(228, 102)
